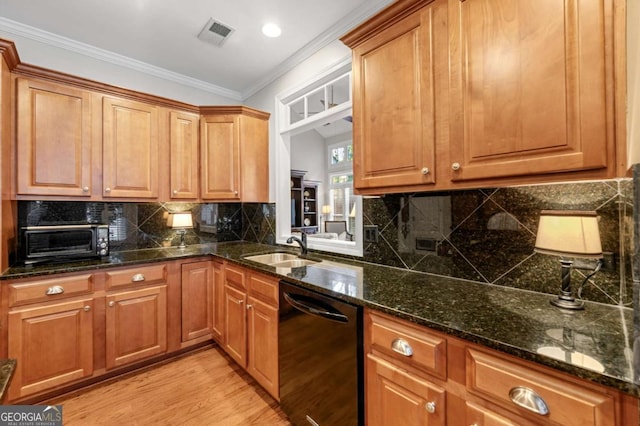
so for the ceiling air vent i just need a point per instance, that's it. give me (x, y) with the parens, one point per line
(215, 32)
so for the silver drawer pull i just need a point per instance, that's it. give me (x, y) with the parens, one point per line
(529, 400)
(56, 289)
(402, 347)
(137, 278)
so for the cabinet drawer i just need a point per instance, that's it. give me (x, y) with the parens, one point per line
(142, 275)
(264, 288)
(49, 289)
(234, 276)
(494, 378)
(409, 344)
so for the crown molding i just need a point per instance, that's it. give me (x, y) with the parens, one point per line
(356, 17)
(337, 30)
(45, 37)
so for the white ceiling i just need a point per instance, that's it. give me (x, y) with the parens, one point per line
(163, 33)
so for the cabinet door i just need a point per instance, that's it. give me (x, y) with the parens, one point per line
(130, 149)
(395, 397)
(393, 99)
(197, 298)
(184, 155)
(220, 164)
(528, 87)
(218, 302)
(235, 331)
(262, 334)
(53, 139)
(136, 325)
(53, 345)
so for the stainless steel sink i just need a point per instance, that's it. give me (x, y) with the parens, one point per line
(281, 260)
(294, 263)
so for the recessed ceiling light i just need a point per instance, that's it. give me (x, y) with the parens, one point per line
(271, 30)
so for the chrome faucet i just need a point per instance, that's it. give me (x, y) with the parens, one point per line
(303, 243)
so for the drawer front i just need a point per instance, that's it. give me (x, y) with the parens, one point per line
(264, 288)
(234, 275)
(410, 345)
(495, 378)
(49, 289)
(135, 276)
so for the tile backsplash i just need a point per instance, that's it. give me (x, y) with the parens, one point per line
(488, 235)
(484, 235)
(144, 225)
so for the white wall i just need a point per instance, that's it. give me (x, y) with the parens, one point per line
(264, 100)
(45, 55)
(633, 82)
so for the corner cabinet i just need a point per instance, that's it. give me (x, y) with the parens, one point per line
(197, 300)
(130, 149)
(455, 94)
(53, 128)
(227, 136)
(184, 155)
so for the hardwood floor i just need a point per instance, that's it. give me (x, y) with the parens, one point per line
(203, 388)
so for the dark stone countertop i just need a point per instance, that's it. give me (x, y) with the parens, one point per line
(594, 344)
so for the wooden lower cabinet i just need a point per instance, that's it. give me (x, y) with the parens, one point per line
(53, 344)
(251, 324)
(197, 300)
(262, 337)
(475, 385)
(235, 340)
(218, 302)
(136, 325)
(395, 397)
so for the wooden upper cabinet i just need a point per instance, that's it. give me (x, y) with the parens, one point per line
(130, 149)
(234, 154)
(530, 87)
(53, 139)
(394, 101)
(220, 157)
(184, 155)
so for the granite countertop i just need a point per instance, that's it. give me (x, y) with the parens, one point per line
(594, 344)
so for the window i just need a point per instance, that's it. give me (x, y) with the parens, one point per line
(313, 133)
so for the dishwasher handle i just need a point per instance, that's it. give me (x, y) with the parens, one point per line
(313, 310)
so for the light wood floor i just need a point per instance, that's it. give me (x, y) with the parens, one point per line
(204, 388)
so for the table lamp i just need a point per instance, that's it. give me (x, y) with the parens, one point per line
(569, 234)
(180, 222)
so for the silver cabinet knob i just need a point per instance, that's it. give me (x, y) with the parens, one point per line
(455, 166)
(85, 189)
(236, 192)
(529, 400)
(112, 304)
(430, 407)
(87, 308)
(107, 189)
(240, 302)
(56, 289)
(425, 170)
(402, 347)
(249, 306)
(175, 192)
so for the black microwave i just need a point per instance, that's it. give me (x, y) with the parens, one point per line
(64, 242)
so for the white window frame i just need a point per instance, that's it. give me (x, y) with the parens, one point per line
(282, 141)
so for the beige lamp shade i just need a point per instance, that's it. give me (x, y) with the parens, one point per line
(326, 209)
(180, 221)
(569, 233)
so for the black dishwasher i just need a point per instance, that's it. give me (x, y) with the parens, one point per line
(320, 355)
